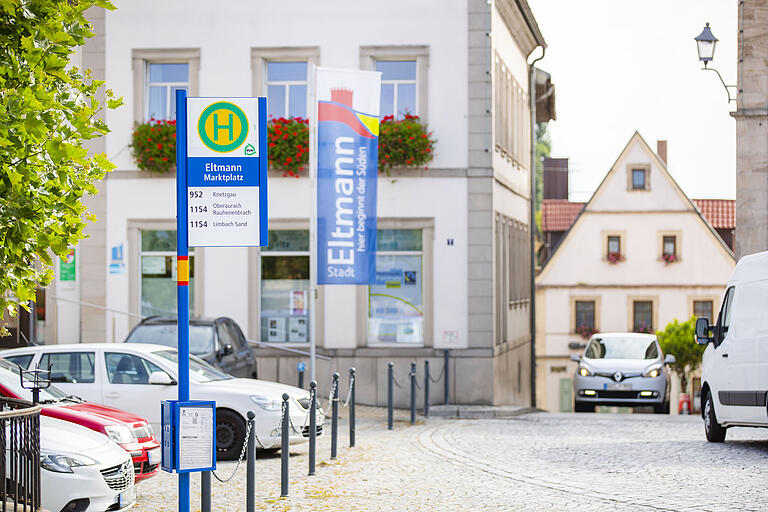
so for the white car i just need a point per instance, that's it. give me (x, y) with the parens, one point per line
(83, 470)
(734, 376)
(137, 377)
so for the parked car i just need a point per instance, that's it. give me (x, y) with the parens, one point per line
(82, 470)
(132, 433)
(136, 377)
(734, 369)
(625, 369)
(219, 341)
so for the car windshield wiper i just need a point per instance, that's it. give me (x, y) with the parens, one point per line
(74, 398)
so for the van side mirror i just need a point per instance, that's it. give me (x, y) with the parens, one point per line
(703, 335)
(227, 349)
(669, 359)
(161, 378)
(575, 357)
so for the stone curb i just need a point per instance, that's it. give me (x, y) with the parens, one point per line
(478, 411)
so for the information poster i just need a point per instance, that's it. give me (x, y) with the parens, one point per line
(276, 328)
(298, 302)
(195, 437)
(297, 329)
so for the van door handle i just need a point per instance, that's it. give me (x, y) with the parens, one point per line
(725, 355)
(112, 395)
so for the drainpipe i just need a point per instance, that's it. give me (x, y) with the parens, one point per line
(532, 225)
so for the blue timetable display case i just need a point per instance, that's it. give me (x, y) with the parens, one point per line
(188, 436)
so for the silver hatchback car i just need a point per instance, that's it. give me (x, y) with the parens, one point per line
(624, 369)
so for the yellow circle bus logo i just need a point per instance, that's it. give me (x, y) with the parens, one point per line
(223, 127)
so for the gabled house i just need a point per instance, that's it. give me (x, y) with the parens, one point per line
(639, 254)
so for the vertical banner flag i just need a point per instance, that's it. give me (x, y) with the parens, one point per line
(347, 167)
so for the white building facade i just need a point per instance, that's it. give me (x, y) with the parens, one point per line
(460, 225)
(639, 255)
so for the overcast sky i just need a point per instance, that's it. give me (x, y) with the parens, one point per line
(620, 66)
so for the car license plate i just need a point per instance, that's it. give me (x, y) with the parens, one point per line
(127, 497)
(154, 456)
(617, 387)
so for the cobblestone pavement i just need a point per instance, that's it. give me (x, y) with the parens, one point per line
(538, 461)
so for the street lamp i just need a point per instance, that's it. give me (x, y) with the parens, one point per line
(705, 45)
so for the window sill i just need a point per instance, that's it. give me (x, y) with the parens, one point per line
(395, 345)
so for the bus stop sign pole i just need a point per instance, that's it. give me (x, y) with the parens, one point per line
(182, 269)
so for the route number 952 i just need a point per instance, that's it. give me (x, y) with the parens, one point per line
(195, 194)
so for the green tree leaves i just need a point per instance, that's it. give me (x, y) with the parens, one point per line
(48, 108)
(678, 339)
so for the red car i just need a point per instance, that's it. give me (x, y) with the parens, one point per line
(130, 432)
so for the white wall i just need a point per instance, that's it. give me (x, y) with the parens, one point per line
(225, 37)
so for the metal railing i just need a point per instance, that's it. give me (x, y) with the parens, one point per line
(19, 456)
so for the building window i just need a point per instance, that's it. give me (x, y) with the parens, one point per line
(511, 115)
(638, 179)
(703, 309)
(669, 248)
(286, 89)
(404, 74)
(398, 87)
(585, 317)
(396, 299)
(285, 287)
(163, 80)
(158, 273)
(642, 316)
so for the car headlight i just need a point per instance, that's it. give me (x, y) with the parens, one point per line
(60, 463)
(653, 371)
(120, 434)
(266, 403)
(584, 371)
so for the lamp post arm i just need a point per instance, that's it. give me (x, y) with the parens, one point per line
(727, 87)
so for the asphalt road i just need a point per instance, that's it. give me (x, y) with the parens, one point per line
(538, 461)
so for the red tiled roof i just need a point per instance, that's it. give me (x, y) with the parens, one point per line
(721, 213)
(559, 214)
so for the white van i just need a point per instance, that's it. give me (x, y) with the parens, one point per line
(735, 363)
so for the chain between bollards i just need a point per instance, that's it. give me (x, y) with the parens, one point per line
(390, 379)
(312, 425)
(250, 466)
(351, 407)
(334, 414)
(284, 449)
(413, 392)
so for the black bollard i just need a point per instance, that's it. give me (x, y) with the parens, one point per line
(284, 449)
(312, 425)
(205, 491)
(413, 392)
(390, 378)
(351, 407)
(426, 389)
(250, 465)
(334, 414)
(445, 376)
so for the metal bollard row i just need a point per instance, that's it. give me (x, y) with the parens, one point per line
(285, 430)
(391, 382)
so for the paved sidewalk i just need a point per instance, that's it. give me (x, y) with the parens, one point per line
(532, 462)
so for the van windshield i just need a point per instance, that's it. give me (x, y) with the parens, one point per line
(622, 348)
